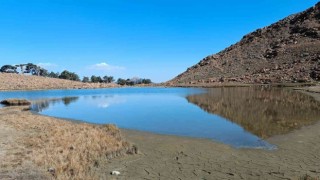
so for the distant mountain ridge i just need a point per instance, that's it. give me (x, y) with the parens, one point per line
(284, 52)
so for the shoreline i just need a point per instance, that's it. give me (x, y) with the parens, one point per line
(174, 157)
(226, 85)
(167, 156)
(18, 82)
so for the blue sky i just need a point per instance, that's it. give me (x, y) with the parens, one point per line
(129, 38)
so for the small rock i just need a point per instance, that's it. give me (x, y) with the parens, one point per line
(115, 173)
(270, 53)
(52, 171)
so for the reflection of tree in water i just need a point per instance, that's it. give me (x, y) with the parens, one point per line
(43, 104)
(262, 111)
(96, 97)
(68, 100)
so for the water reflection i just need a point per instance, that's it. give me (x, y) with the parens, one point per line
(107, 101)
(262, 111)
(43, 104)
(241, 117)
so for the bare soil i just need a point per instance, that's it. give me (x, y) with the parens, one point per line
(170, 157)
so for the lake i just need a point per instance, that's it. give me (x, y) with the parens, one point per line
(240, 117)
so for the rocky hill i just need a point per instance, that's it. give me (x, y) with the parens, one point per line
(286, 51)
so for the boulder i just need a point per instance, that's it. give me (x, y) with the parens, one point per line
(315, 74)
(270, 53)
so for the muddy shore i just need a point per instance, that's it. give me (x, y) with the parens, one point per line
(170, 157)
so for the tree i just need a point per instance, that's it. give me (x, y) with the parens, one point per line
(108, 79)
(111, 79)
(96, 79)
(43, 72)
(129, 82)
(85, 79)
(93, 78)
(54, 75)
(21, 66)
(146, 81)
(69, 75)
(121, 81)
(33, 69)
(99, 79)
(8, 69)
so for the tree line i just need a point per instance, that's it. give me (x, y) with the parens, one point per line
(39, 71)
(24, 68)
(131, 82)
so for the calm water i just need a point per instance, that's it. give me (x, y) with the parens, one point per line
(240, 117)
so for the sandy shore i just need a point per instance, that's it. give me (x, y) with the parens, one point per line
(26, 82)
(170, 157)
(161, 156)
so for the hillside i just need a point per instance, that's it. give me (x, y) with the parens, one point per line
(284, 52)
(27, 82)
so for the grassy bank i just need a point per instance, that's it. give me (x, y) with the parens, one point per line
(62, 149)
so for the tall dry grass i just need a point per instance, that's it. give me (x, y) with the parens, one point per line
(67, 150)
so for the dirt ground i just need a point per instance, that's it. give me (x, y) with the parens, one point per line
(169, 157)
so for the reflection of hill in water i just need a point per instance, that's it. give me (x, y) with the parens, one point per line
(264, 112)
(43, 104)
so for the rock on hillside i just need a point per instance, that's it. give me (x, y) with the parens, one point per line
(286, 51)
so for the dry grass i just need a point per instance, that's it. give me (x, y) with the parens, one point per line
(15, 102)
(308, 177)
(64, 149)
(314, 89)
(9, 81)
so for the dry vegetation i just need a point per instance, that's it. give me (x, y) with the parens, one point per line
(63, 149)
(27, 82)
(15, 102)
(313, 89)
